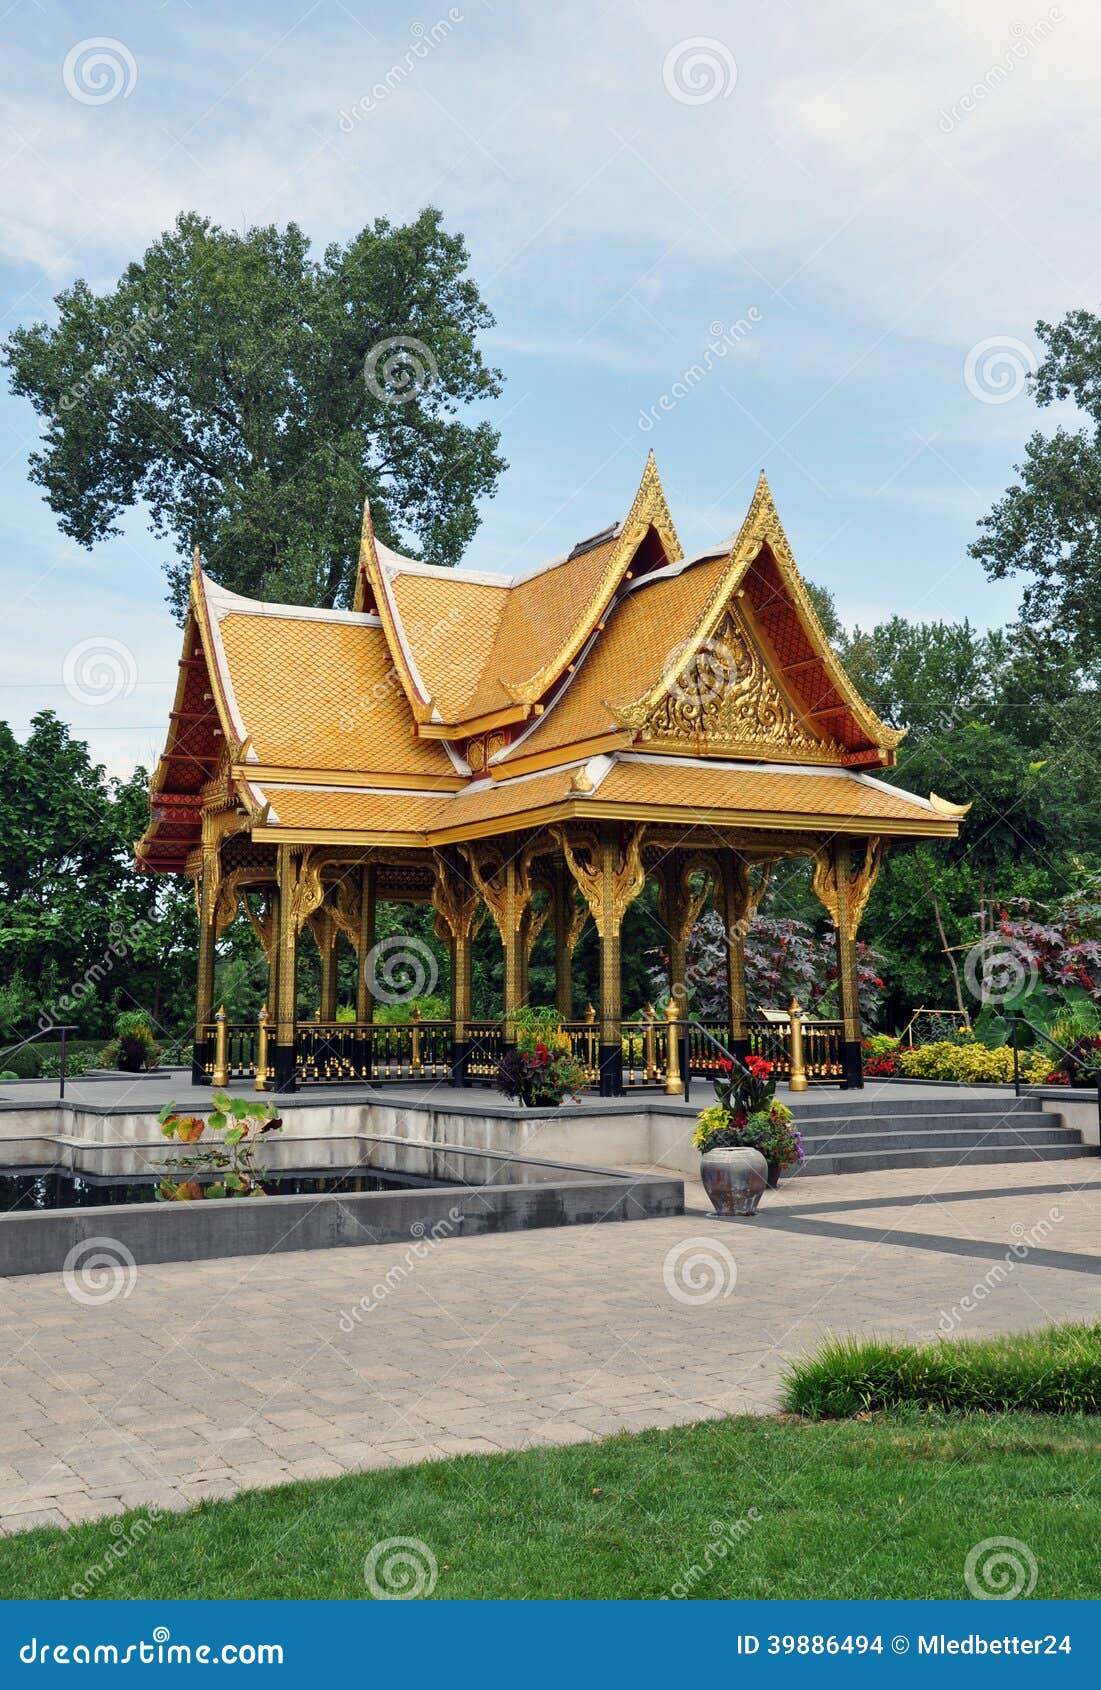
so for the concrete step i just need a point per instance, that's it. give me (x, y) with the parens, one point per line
(874, 1161)
(880, 1125)
(938, 1138)
(851, 1106)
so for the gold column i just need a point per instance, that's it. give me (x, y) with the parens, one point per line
(204, 984)
(740, 898)
(457, 920)
(365, 1003)
(512, 940)
(272, 948)
(561, 915)
(221, 1049)
(848, 989)
(843, 888)
(673, 1081)
(286, 969)
(610, 877)
(327, 935)
(261, 1082)
(797, 1077)
(507, 894)
(679, 908)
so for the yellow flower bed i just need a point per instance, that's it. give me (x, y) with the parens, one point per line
(972, 1064)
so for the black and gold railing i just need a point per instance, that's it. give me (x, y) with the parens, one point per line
(380, 1053)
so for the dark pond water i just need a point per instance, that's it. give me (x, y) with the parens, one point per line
(52, 1188)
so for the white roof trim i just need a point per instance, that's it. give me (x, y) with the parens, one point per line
(222, 665)
(223, 603)
(394, 564)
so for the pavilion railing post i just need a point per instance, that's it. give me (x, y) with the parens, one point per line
(61, 1089)
(220, 1077)
(797, 1072)
(649, 1069)
(673, 1083)
(261, 1082)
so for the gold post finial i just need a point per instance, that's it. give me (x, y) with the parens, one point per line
(674, 1085)
(797, 1080)
(261, 1081)
(220, 1076)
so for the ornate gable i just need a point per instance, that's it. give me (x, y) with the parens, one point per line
(721, 696)
(758, 678)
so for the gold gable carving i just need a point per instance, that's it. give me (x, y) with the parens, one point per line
(721, 696)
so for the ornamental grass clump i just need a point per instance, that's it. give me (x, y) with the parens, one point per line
(1057, 1371)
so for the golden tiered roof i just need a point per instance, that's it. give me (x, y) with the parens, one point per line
(620, 680)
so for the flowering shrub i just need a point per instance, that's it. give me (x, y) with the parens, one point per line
(972, 1063)
(541, 1068)
(1062, 940)
(784, 958)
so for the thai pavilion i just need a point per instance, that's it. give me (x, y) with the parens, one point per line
(525, 749)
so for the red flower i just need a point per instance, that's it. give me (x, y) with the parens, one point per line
(541, 1051)
(725, 1064)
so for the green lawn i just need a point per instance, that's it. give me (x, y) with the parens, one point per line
(887, 1507)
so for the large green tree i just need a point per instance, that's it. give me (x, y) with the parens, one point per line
(1047, 527)
(82, 933)
(250, 396)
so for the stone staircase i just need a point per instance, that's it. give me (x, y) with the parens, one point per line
(848, 1134)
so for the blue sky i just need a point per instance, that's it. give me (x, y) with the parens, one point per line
(885, 199)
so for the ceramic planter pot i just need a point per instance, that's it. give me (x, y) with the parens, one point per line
(734, 1180)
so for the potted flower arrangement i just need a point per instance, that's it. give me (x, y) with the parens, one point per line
(747, 1137)
(540, 1069)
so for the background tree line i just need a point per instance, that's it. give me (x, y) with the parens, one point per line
(231, 385)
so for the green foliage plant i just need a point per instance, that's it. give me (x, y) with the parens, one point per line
(226, 1144)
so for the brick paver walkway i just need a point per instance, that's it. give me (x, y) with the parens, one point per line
(205, 1378)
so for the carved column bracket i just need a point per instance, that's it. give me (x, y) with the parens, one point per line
(609, 879)
(842, 887)
(610, 875)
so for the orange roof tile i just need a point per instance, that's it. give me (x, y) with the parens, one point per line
(768, 791)
(641, 634)
(316, 694)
